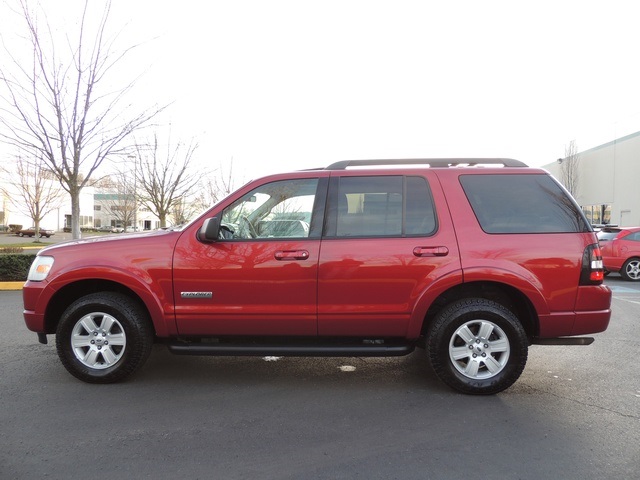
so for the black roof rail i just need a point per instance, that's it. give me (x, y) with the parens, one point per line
(432, 162)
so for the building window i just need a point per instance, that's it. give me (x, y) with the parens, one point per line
(598, 214)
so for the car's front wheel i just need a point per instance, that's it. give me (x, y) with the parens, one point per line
(104, 337)
(477, 346)
(631, 270)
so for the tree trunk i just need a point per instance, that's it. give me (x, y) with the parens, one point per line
(75, 213)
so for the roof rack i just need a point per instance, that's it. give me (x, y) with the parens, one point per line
(432, 162)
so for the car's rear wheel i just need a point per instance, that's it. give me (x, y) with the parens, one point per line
(477, 346)
(631, 270)
(104, 337)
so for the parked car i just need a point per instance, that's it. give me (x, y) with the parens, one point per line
(473, 260)
(620, 247)
(132, 229)
(31, 232)
(104, 228)
(117, 229)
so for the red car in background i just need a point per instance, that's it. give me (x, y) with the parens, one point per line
(620, 248)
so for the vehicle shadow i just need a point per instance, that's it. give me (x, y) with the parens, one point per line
(411, 371)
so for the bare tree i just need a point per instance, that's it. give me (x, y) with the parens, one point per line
(216, 186)
(164, 176)
(184, 210)
(119, 197)
(569, 168)
(37, 191)
(64, 105)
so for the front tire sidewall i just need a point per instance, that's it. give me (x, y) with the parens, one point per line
(134, 322)
(449, 320)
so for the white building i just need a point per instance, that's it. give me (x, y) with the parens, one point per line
(119, 210)
(607, 181)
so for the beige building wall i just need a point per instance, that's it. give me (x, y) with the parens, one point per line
(609, 175)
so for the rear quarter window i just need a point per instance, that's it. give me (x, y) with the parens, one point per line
(522, 204)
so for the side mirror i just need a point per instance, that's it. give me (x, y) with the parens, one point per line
(210, 230)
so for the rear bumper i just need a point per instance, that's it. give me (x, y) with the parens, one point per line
(592, 314)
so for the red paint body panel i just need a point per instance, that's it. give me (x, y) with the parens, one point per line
(251, 290)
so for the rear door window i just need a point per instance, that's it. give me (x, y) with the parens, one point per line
(522, 204)
(380, 206)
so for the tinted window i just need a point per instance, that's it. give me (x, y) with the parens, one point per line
(522, 204)
(606, 235)
(634, 237)
(380, 206)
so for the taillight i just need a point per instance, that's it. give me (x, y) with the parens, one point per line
(592, 267)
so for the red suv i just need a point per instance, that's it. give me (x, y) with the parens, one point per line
(620, 249)
(472, 259)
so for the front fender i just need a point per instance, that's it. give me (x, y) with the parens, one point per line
(155, 293)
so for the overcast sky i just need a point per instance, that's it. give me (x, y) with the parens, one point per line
(280, 85)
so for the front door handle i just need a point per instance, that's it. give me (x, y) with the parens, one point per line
(291, 255)
(431, 251)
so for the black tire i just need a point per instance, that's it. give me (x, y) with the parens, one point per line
(477, 346)
(630, 271)
(104, 337)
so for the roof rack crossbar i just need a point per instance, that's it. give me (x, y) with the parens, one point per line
(432, 162)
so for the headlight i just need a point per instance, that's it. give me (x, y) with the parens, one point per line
(40, 268)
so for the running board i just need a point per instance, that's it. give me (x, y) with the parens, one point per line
(563, 341)
(318, 350)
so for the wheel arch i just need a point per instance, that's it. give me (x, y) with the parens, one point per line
(71, 292)
(506, 295)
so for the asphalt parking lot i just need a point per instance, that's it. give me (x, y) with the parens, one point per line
(574, 414)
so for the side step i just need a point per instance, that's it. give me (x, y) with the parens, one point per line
(291, 350)
(563, 341)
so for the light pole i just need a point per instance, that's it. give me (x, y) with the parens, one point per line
(135, 191)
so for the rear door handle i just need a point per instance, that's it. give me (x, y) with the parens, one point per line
(291, 255)
(431, 251)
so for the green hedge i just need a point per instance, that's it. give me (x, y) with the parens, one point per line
(15, 267)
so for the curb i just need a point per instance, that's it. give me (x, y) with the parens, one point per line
(6, 286)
